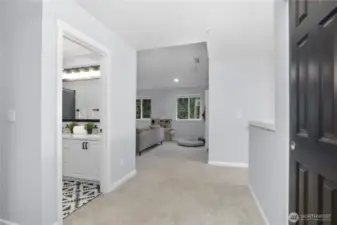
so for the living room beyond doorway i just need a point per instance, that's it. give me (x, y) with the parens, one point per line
(172, 101)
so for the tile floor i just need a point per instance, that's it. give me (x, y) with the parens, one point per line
(77, 193)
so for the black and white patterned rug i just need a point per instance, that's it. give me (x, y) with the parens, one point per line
(77, 193)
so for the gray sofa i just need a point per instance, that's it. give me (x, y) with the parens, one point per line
(148, 137)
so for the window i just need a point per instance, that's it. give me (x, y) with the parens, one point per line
(143, 108)
(189, 108)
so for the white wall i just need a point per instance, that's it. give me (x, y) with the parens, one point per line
(269, 151)
(20, 87)
(123, 80)
(240, 85)
(2, 111)
(88, 95)
(30, 143)
(163, 103)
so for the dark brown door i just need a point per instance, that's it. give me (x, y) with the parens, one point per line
(313, 111)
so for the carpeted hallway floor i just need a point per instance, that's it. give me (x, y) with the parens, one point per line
(175, 186)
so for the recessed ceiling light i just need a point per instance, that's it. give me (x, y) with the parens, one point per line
(176, 80)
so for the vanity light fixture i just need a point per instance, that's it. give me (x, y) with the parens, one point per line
(83, 73)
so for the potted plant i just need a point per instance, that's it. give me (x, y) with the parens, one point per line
(89, 127)
(70, 126)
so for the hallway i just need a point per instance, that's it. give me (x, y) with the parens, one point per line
(175, 186)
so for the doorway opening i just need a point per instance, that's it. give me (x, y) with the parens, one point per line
(81, 142)
(82, 120)
(172, 103)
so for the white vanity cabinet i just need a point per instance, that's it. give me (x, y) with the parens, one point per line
(81, 158)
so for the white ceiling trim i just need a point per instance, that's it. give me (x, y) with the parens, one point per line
(76, 55)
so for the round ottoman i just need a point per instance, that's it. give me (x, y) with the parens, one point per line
(190, 143)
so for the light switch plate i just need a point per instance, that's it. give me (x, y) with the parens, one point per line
(11, 115)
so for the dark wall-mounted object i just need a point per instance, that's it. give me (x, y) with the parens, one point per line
(82, 120)
(68, 104)
(165, 123)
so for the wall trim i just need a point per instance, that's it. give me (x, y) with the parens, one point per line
(122, 181)
(7, 222)
(228, 164)
(265, 219)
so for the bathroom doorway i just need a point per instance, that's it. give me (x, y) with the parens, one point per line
(82, 146)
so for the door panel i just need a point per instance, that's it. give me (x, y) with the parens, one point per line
(302, 191)
(313, 111)
(328, 198)
(303, 88)
(301, 11)
(328, 66)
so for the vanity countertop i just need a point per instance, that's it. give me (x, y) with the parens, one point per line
(88, 137)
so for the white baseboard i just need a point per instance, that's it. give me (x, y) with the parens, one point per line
(258, 205)
(121, 181)
(228, 164)
(5, 222)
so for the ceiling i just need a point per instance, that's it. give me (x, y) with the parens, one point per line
(231, 28)
(76, 55)
(147, 24)
(157, 68)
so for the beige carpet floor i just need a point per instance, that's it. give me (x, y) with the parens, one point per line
(175, 186)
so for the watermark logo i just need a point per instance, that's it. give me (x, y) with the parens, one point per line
(295, 217)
